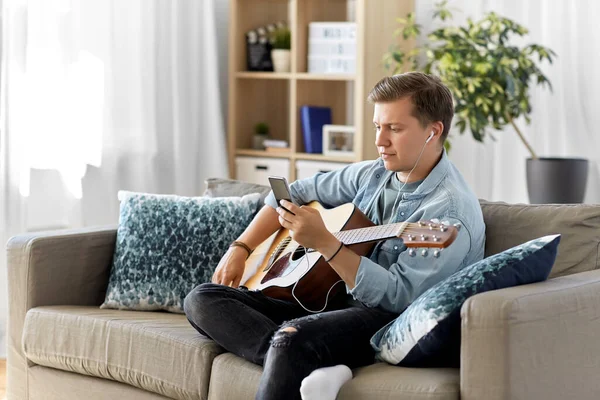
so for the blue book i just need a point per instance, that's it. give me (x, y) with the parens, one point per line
(313, 118)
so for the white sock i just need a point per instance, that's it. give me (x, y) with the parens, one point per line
(325, 383)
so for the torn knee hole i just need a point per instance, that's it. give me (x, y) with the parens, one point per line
(283, 336)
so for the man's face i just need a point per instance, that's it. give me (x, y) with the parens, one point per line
(400, 136)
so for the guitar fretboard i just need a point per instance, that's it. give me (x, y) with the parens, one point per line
(370, 234)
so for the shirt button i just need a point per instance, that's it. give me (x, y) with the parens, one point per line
(377, 176)
(395, 247)
(402, 213)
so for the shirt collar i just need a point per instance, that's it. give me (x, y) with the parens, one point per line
(430, 182)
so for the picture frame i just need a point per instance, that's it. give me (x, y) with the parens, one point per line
(338, 140)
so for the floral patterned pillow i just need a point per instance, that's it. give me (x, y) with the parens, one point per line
(167, 244)
(427, 333)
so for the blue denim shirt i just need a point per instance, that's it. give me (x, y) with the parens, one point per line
(391, 278)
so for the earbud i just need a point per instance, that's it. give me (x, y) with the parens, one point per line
(430, 136)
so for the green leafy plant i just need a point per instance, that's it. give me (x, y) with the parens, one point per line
(261, 128)
(281, 38)
(489, 77)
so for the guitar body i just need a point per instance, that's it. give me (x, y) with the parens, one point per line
(279, 262)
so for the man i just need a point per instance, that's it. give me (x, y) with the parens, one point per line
(412, 180)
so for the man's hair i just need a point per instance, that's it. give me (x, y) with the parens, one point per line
(431, 99)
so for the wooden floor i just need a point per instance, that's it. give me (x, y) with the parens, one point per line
(2, 379)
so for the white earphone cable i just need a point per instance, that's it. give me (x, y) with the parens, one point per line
(326, 297)
(408, 176)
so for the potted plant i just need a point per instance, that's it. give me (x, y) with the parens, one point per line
(490, 79)
(280, 53)
(261, 133)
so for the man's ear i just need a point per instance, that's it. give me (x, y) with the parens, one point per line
(438, 128)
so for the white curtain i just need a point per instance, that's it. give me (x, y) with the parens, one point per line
(563, 121)
(103, 95)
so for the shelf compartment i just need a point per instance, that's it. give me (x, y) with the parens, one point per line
(333, 94)
(251, 14)
(317, 11)
(261, 100)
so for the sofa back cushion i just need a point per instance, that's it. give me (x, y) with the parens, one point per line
(508, 225)
(220, 187)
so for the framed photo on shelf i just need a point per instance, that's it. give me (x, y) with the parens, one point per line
(338, 140)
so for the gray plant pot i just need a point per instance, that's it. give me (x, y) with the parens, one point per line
(556, 180)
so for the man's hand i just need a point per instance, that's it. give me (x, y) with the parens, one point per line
(230, 270)
(306, 227)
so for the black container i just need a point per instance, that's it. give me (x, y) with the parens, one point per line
(556, 180)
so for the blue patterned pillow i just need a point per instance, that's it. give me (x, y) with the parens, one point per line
(167, 244)
(427, 333)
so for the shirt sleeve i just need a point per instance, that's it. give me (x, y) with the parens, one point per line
(331, 189)
(395, 288)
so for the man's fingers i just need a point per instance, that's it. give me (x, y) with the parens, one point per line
(286, 216)
(286, 224)
(290, 206)
(216, 277)
(236, 281)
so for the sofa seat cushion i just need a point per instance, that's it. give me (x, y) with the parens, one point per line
(156, 351)
(375, 382)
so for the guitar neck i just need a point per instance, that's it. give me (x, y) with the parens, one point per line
(371, 234)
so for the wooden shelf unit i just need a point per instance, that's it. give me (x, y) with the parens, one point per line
(275, 98)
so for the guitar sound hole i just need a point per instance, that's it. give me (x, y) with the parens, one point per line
(298, 253)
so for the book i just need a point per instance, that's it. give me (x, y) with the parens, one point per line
(313, 118)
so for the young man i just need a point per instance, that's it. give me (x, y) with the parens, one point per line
(412, 180)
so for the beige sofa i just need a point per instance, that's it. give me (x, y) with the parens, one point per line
(539, 341)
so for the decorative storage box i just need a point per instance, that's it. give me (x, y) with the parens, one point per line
(306, 169)
(331, 65)
(257, 169)
(332, 47)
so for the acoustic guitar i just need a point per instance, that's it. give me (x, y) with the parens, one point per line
(279, 263)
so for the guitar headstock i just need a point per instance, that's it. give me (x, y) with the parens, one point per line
(429, 234)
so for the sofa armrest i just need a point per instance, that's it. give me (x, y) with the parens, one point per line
(68, 267)
(538, 341)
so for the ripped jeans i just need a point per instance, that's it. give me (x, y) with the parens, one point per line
(281, 336)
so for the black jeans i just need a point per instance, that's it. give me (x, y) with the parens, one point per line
(249, 324)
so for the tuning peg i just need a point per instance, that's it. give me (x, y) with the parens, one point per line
(423, 237)
(424, 252)
(412, 252)
(436, 253)
(443, 228)
(457, 226)
(411, 237)
(435, 238)
(421, 223)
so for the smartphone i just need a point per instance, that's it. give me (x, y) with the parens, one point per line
(281, 190)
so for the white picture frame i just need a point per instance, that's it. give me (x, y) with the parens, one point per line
(338, 140)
